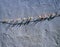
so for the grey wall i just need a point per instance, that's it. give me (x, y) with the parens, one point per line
(42, 34)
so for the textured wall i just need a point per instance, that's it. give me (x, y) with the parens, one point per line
(42, 34)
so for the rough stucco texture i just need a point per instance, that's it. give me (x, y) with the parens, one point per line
(42, 34)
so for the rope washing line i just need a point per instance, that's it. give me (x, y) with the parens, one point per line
(26, 21)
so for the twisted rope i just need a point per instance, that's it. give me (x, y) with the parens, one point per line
(26, 21)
